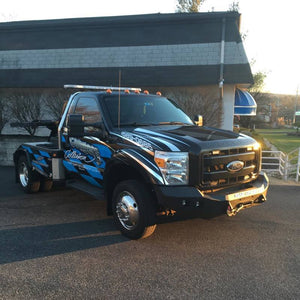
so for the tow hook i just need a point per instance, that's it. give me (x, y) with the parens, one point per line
(233, 211)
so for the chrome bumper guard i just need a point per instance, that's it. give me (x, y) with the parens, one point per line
(254, 194)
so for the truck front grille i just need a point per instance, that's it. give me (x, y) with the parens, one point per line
(215, 173)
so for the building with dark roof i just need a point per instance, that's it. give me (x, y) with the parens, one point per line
(158, 50)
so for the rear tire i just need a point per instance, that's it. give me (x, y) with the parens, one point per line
(133, 210)
(28, 178)
(46, 185)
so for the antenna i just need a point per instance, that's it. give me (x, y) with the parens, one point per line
(119, 105)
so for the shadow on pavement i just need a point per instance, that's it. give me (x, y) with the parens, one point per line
(25, 243)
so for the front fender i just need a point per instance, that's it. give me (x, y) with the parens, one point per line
(143, 165)
(129, 164)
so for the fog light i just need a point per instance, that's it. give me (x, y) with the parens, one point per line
(216, 152)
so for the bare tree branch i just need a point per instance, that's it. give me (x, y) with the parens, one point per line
(4, 114)
(25, 106)
(54, 101)
(204, 102)
(189, 6)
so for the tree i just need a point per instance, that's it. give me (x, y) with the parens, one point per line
(259, 83)
(297, 124)
(54, 102)
(202, 102)
(25, 106)
(189, 6)
(287, 113)
(234, 6)
(3, 113)
(8, 17)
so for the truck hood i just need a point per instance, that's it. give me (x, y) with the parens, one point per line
(184, 138)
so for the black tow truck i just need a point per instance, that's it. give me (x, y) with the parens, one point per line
(144, 156)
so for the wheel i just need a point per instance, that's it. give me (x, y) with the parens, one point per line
(133, 210)
(46, 185)
(28, 178)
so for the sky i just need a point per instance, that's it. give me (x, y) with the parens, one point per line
(272, 28)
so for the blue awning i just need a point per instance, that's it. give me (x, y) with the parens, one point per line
(244, 104)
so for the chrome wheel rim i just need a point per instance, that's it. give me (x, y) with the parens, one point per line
(127, 211)
(23, 174)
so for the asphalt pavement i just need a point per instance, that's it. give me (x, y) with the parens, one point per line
(61, 245)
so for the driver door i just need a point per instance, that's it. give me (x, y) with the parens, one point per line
(86, 156)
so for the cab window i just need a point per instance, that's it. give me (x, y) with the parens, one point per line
(88, 107)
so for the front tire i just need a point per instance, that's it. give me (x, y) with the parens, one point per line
(133, 209)
(28, 178)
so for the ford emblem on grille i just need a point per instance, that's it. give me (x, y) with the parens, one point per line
(235, 166)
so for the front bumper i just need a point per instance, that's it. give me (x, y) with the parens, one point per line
(236, 198)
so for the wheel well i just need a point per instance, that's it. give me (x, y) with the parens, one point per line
(117, 174)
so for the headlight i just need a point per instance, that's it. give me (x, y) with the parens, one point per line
(174, 166)
(254, 147)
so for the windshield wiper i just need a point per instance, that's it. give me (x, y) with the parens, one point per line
(173, 123)
(135, 124)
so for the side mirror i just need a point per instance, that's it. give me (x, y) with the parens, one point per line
(198, 119)
(75, 125)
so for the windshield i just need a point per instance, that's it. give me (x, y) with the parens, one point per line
(138, 110)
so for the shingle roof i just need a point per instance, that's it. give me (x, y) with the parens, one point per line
(151, 50)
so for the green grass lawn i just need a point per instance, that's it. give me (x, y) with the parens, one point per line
(280, 139)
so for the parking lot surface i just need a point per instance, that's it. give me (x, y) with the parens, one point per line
(61, 245)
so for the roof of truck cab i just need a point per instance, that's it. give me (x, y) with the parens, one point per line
(104, 93)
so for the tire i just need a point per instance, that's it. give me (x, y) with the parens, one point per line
(46, 185)
(28, 178)
(133, 210)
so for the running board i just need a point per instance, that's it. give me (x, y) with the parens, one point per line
(86, 188)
